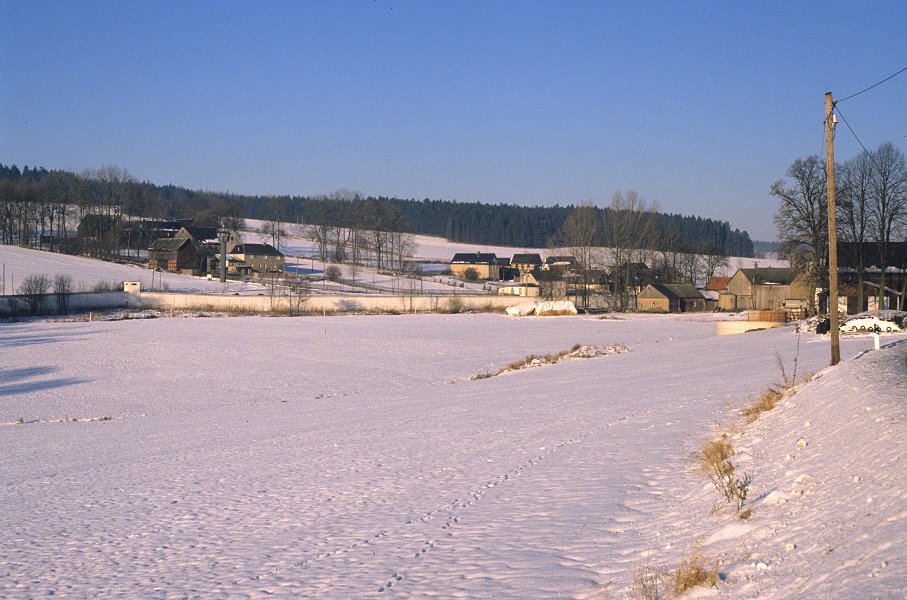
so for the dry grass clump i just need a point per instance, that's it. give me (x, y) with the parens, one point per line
(543, 358)
(693, 572)
(647, 584)
(715, 461)
(763, 403)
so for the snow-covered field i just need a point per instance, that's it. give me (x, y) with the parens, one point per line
(355, 457)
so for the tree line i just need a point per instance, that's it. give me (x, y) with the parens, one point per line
(36, 203)
(871, 213)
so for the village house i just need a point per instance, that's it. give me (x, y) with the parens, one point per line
(178, 255)
(505, 271)
(551, 284)
(524, 263)
(260, 258)
(717, 295)
(670, 298)
(769, 288)
(485, 264)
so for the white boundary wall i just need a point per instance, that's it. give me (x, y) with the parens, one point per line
(266, 303)
(11, 306)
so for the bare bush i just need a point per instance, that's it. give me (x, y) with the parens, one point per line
(34, 289)
(332, 273)
(63, 288)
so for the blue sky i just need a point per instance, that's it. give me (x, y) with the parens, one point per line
(698, 106)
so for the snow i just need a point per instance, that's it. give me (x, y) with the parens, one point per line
(356, 457)
(88, 272)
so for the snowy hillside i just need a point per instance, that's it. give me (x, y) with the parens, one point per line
(356, 457)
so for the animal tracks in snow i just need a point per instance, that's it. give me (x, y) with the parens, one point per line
(445, 518)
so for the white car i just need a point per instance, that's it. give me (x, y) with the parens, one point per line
(868, 325)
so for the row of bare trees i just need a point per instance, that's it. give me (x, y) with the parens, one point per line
(871, 202)
(631, 228)
(42, 208)
(378, 237)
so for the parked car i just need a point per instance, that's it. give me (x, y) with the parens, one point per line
(863, 324)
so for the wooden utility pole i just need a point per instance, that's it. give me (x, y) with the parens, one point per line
(832, 231)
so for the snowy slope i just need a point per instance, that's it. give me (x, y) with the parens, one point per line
(355, 457)
(87, 272)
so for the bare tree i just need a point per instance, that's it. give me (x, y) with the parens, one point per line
(802, 219)
(853, 212)
(631, 227)
(580, 234)
(888, 208)
(34, 289)
(63, 288)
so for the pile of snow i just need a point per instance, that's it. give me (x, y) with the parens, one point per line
(542, 309)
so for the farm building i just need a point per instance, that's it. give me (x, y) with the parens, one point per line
(670, 297)
(768, 288)
(177, 255)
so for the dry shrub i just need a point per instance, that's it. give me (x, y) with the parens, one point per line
(765, 402)
(693, 572)
(715, 461)
(647, 584)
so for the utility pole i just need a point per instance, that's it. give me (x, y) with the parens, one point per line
(830, 121)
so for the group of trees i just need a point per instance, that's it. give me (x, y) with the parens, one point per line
(630, 233)
(871, 208)
(363, 231)
(38, 206)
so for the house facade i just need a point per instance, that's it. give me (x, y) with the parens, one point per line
(177, 255)
(485, 264)
(552, 286)
(768, 288)
(524, 263)
(260, 258)
(670, 298)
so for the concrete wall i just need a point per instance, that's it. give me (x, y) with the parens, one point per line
(732, 327)
(81, 302)
(321, 303)
(12, 306)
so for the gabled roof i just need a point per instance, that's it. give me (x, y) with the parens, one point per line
(526, 259)
(680, 291)
(256, 249)
(200, 234)
(475, 258)
(540, 275)
(776, 275)
(168, 244)
(560, 260)
(717, 284)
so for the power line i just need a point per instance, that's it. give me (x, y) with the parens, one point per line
(872, 157)
(872, 86)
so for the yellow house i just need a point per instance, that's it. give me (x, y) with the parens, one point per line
(261, 258)
(485, 264)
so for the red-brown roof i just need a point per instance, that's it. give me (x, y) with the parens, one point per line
(717, 284)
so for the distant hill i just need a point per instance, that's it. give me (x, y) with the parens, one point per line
(112, 191)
